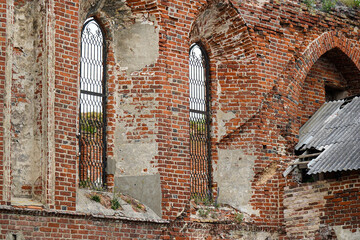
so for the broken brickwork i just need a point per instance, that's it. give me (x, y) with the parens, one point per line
(272, 65)
(324, 210)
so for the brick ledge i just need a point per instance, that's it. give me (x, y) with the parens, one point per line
(45, 212)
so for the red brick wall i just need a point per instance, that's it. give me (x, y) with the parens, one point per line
(312, 209)
(60, 226)
(52, 225)
(260, 70)
(258, 74)
(66, 99)
(173, 116)
(2, 93)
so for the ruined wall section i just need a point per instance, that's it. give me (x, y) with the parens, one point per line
(3, 45)
(233, 83)
(281, 32)
(78, 226)
(26, 100)
(132, 54)
(325, 210)
(173, 115)
(132, 38)
(224, 33)
(255, 96)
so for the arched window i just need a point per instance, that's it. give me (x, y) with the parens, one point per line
(200, 149)
(92, 130)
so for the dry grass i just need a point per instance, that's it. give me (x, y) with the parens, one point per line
(349, 3)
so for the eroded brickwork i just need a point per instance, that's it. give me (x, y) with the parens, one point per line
(323, 210)
(2, 102)
(271, 63)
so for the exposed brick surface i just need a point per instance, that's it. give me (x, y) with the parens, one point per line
(51, 225)
(66, 100)
(270, 62)
(311, 207)
(2, 93)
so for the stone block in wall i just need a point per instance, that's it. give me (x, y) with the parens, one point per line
(145, 188)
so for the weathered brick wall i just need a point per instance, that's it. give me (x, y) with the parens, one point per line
(323, 210)
(3, 45)
(267, 70)
(29, 224)
(66, 102)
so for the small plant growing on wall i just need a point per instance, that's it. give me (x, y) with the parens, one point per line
(95, 198)
(310, 3)
(115, 204)
(328, 5)
(239, 217)
(203, 212)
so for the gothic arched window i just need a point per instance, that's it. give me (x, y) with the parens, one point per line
(92, 130)
(200, 148)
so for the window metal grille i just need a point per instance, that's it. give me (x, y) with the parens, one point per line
(92, 130)
(200, 150)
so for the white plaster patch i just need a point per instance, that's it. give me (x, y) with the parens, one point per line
(261, 3)
(222, 118)
(137, 46)
(234, 174)
(135, 159)
(346, 234)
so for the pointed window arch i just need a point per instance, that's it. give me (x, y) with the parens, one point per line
(200, 148)
(92, 130)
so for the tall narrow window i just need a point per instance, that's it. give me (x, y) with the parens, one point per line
(200, 151)
(92, 137)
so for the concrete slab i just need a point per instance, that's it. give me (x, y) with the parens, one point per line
(145, 188)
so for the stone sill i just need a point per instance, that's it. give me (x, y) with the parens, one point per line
(40, 211)
(26, 203)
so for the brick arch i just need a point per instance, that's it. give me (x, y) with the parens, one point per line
(225, 36)
(321, 45)
(226, 13)
(331, 42)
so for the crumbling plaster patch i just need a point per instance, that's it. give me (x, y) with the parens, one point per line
(208, 20)
(222, 119)
(137, 46)
(7, 101)
(135, 157)
(268, 173)
(26, 109)
(234, 174)
(346, 234)
(135, 36)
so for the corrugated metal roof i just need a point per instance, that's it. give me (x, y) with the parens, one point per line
(335, 130)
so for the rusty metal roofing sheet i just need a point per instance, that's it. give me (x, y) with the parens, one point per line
(336, 131)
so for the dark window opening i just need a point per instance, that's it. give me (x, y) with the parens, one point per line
(332, 93)
(92, 130)
(302, 169)
(304, 158)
